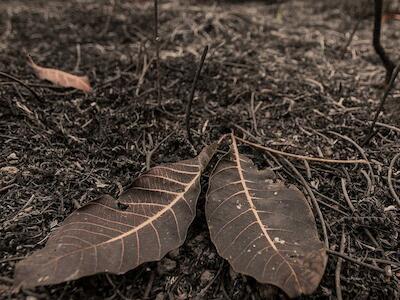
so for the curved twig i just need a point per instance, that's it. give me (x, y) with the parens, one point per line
(339, 267)
(361, 150)
(349, 258)
(157, 44)
(21, 83)
(189, 104)
(346, 195)
(323, 160)
(389, 178)
(383, 100)
(313, 199)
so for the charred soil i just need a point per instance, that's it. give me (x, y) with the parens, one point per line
(276, 73)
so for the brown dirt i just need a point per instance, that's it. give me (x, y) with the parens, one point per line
(68, 148)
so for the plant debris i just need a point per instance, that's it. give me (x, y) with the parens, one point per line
(275, 74)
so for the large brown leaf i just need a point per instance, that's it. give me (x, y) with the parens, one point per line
(151, 219)
(61, 78)
(263, 228)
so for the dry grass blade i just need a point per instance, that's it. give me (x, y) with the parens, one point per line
(303, 157)
(148, 220)
(61, 78)
(263, 228)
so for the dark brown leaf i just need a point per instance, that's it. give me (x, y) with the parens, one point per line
(61, 78)
(152, 219)
(263, 228)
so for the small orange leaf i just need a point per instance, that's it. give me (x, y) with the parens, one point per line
(61, 78)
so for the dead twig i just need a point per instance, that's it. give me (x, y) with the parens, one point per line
(108, 20)
(150, 153)
(6, 279)
(253, 113)
(339, 267)
(78, 57)
(7, 187)
(366, 230)
(369, 181)
(389, 178)
(353, 32)
(349, 258)
(157, 44)
(149, 285)
(204, 290)
(383, 261)
(245, 131)
(11, 259)
(346, 195)
(189, 104)
(323, 160)
(386, 61)
(313, 199)
(145, 68)
(362, 152)
(381, 104)
(21, 83)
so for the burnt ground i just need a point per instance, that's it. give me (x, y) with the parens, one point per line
(68, 148)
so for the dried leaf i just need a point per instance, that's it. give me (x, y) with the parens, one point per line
(61, 78)
(148, 220)
(263, 228)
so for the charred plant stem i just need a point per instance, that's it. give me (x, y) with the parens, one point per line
(386, 61)
(339, 267)
(313, 199)
(150, 153)
(21, 83)
(309, 158)
(349, 258)
(189, 104)
(157, 44)
(389, 178)
(350, 39)
(149, 285)
(383, 100)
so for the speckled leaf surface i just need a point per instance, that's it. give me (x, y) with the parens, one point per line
(262, 227)
(152, 219)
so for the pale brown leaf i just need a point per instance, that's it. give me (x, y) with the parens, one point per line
(148, 220)
(262, 227)
(61, 78)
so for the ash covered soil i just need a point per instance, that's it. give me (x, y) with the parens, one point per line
(276, 73)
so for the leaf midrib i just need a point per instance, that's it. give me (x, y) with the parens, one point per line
(136, 229)
(254, 210)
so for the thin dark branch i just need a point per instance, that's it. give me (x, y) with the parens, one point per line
(389, 178)
(150, 153)
(350, 39)
(383, 100)
(189, 104)
(313, 200)
(149, 284)
(386, 61)
(157, 44)
(349, 258)
(21, 83)
(339, 268)
(109, 16)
